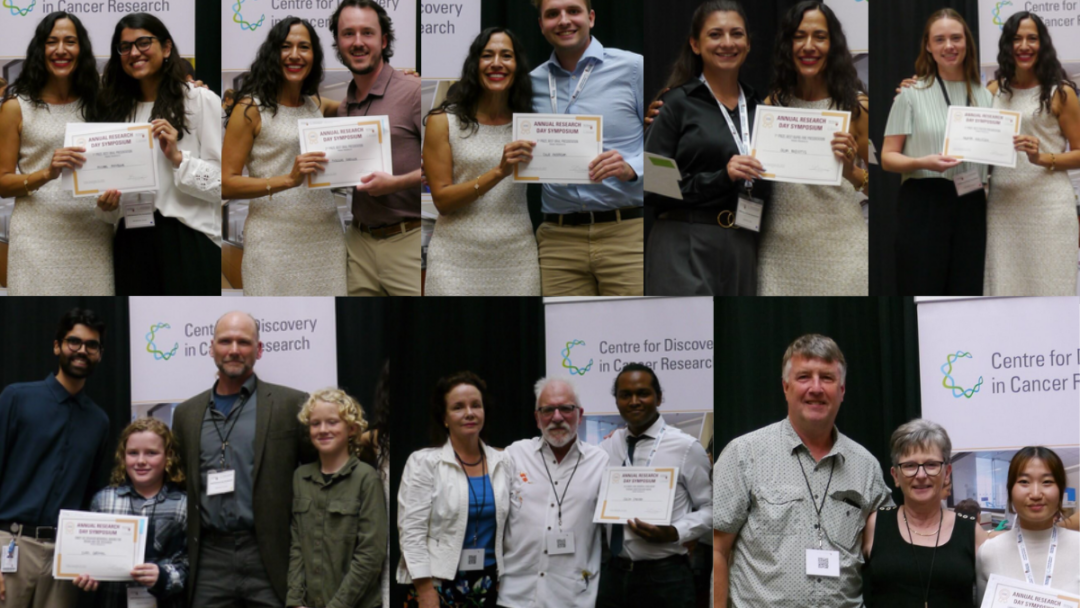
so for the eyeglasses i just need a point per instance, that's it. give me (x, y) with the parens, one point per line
(142, 43)
(549, 410)
(93, 347)
(911, 469)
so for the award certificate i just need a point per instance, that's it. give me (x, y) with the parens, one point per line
(565, 145)
(355, 146)
(794, 144)
(981, 135)
(645, 493)
(1002, 592)
(104, 546)
(119, 156)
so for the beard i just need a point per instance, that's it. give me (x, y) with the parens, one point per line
(558, 442)
(75, 372)
(376, 60)
(233, 374)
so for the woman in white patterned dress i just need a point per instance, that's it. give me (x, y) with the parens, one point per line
(294, 244)
(814, 240)
(1031, 227)
(56, 245)
(483, 242)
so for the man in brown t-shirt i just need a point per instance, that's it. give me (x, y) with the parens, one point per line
(383, 240)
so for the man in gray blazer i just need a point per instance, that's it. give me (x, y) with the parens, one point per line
(241, 442)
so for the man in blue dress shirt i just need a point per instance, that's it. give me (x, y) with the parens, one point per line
(591, 241)
(52, 444)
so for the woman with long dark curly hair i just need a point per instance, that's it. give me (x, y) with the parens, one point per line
(483, 242)
(1031, 236)
(814, 240)
(293, 242)
(179, 253)
(56, 245)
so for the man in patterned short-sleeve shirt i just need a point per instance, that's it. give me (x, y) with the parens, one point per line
(795, 486)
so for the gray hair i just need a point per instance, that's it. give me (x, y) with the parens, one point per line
(814, 346)
(919, 434)
(544, 382)
(254, 321)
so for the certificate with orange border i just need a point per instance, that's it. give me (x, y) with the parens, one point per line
(565, 145)
(119, 156)
(102, 545)
(981, 135)
(355, 147)
(1002, 592)
(794, 145)
(645, 493)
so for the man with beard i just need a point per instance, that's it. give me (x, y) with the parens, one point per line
(52, 445)
(384, 238)
(240, 442)
(551, 549)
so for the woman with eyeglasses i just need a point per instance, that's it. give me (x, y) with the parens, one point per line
(920, 553)
(56, 246)
(179, 253)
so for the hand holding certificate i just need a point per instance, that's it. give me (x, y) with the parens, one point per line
(119, 156)
(981, 135)
(645, 493)
(1002, 592)
(565, 145)
(355, 147)
(795, 144)
(105, 547)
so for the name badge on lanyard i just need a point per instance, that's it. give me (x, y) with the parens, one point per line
(554, 91)
(1050, 551)
(139, 597)
(471, 559)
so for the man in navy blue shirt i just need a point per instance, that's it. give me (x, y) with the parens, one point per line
(52, 443)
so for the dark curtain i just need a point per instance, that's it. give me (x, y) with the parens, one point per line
(208, 43)
(500, 339)
(897, 28)
(361, 346)
(879, 339)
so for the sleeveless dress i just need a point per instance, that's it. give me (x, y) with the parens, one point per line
(486, 248)
(58, 246)
(814, 240)
(896, 574)
(1031, 228)
(293, 243)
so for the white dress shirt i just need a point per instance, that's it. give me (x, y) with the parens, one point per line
(691, 515)
(532, 578)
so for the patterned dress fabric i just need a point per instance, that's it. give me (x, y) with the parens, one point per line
(58, 247)
(293, 242)
(486, 248)
(1031, 228)
(814, 240)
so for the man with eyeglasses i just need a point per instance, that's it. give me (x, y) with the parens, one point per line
(790, 501)
(551, 548)
(52, 445)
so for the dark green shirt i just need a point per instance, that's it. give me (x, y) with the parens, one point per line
(339, 532)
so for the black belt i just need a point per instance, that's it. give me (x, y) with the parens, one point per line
(594, 217)
(35, 532)
(714, 216)
(630, 565)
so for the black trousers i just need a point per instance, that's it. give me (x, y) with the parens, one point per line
(684, 259)
(941, 239)
(667, 582)
(166, 259)
(231, 574)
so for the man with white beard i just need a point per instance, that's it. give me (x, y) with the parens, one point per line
(551, 549)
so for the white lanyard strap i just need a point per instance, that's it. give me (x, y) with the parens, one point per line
(656, 444)
(554, 91)
(743, 143)
(1049, 556)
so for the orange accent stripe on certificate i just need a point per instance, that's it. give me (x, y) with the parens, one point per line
(1015, 115)
(593, 119)
(671, 480)
(839, 115)
(378, 126)
(149, 134)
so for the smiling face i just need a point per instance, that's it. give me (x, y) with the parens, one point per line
(236, 347)
(79, 363)
(922, 488)
(464, 412)
(498, 63)
(329, 432)
(62, 49)
(297, 54)
(140, 64)
(566, 24)
(947, 44)
(1035, 496)
(723, 43)
(1026, 45)
(144, 459)
(557, 429)
(814, 392)
(360, 40)
(810, 44)
(637, 400)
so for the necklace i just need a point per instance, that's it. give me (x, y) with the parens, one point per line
(930, 574)
(469, 464)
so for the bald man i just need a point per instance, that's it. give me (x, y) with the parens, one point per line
(241, 442)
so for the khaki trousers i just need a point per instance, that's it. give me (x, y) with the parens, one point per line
(605, 259)
(33, 585)
(383, 267)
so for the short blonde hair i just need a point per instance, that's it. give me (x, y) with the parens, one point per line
(348, 408)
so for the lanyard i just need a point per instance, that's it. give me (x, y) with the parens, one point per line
(744, 142)
(565, 488)
(472, 493)
(1049, 555)
(824, 494)
(946, 94)
(554, 91)
(225, 438)
(656, 444)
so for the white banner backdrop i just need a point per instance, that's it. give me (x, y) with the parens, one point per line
(19, 19)
(591, 340)
(171, 337)
(1062, 19)
(446, 31)
(244, 24)
(1002, 373)
(854, 16)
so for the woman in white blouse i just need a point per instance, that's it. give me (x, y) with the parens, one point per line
(168, 243)
(452, 555)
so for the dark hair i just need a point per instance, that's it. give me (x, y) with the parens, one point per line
(120, 92)
(637, 367)
(80, 316)
(463, 99)
(439, 432)
(375, 455)
(841, 78)
(385, 24)
(689, 64)
(926, 67)
(540, 3)
(1048, 69)
(85, 82)
(265, 78)
(969, 507)
(1049, 458)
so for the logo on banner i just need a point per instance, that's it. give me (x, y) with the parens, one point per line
(950, 383)
(997, 13)
(574, 370)
(152, 348)
(16, 10)
(238, 18)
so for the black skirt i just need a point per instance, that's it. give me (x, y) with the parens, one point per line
(166, 259)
